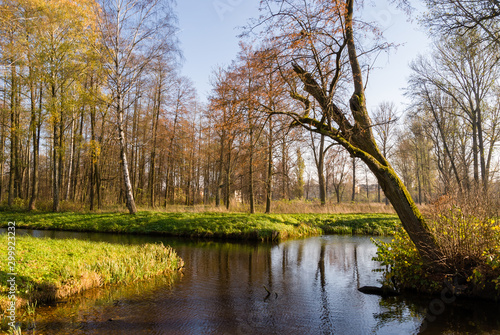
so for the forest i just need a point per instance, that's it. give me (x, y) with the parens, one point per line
(94, 111)
(100, 132)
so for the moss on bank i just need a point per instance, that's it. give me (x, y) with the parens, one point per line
(264, 227)
(51, 269)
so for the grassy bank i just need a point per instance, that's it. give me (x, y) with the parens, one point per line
(49, 269)
(264, 227)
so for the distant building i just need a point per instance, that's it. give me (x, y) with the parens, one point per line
(237, 196)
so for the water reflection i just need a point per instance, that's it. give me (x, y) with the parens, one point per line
(297, 287)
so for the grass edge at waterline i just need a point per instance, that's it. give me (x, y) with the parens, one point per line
(52, 269)
(241, 226)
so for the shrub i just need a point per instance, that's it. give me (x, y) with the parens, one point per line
(467, 230)
(403, 266)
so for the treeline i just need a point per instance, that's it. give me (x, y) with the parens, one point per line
(94, 112)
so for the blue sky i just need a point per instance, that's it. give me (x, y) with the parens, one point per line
(209, 39)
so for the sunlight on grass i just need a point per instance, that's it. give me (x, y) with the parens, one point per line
(49, 269)
(264, 227)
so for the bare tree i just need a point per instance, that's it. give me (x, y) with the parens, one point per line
(465, 71)
(385, 122)
(463, 15)
(133, 34)
(337, 169)
(319, 153)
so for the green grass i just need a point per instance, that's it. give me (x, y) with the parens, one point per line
(265, 227)
(51, 269)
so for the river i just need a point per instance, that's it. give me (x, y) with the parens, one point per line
(306, 286)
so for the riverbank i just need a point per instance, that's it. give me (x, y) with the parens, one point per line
(261, 227)
(50, 269)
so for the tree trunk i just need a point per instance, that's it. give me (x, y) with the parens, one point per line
(284, 172)
(408, 213)
(36, 149)
(269, 181)
(320, 165)
(60, 165)
(55, 152)
(438, 119)
(134, 139)
(92, 184)
(419, 174)
(250, 174)
(13, 137)
(353, 197)
(220, 182)
(93, 157)
(76, 181)
(71, 157)
(17, 146)
(152, 168)
(169, 190)
(367, 187)
(129, 196)
(55, 179)
(2, 150)
(484, 172)
(227, 182)
(398, 195)
(475, 150)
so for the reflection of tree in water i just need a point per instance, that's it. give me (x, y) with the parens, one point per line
(326, 316)
(96, 306)
(222, 291)
(396, 309)
(462, 317)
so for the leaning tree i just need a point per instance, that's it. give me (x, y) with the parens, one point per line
(317, 41)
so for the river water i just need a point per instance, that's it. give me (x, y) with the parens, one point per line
(306, 286)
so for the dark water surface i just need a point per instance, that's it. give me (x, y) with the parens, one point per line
(313, 284)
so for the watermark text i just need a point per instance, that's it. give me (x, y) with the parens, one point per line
(11, 275)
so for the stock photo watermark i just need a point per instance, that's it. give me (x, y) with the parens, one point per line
(11, 275)
(384, 17)
(223, 7)
(438, 305)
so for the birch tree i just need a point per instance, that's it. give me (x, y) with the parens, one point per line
(133, 34)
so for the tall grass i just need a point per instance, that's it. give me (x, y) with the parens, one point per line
(297, 206)
(49, 270)
(284, 207)
(281, 207)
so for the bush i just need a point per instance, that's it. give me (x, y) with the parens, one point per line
(467, 230)
(404, 268)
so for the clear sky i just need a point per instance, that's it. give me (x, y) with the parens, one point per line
(209, 30)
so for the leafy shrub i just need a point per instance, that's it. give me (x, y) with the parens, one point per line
(404, 268)
(467, 230)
